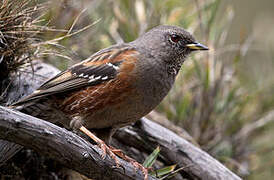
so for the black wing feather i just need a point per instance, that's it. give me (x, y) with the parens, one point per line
(55, 86)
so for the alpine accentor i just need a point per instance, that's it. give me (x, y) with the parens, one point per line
(115, 86)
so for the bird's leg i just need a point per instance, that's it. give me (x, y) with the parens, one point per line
(105, 135)
(101, 144)
(112, 151)
(77, 124)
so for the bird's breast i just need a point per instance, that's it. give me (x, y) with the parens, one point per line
(155, 84)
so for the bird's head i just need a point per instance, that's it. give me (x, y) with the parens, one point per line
(169, 43)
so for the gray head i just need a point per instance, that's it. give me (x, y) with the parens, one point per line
(168, 43)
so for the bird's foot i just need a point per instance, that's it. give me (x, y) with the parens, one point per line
(135, 164)
(102, 145)
(112, 151)
(107, 150)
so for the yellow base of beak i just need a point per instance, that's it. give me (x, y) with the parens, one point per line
(197, 46)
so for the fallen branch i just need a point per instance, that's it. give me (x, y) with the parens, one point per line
(73, 152)
(146, 135)
(63, 146)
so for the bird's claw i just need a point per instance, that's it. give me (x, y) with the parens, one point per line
(137, 165)
(109, 151)
(134, 163)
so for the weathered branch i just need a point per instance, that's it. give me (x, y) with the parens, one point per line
(75, 153)
(196, 164)
(63, 146)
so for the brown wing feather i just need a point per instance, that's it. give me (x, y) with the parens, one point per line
(102, 66)
(110, 93)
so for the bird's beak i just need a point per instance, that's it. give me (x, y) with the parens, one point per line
(197, 46)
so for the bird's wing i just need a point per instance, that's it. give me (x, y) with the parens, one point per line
(100, 67)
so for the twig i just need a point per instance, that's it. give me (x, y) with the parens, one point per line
(248, 129)
(54, 41)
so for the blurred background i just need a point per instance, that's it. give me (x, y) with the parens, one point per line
(223, 98)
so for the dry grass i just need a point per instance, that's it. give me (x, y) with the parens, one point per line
(18, 32)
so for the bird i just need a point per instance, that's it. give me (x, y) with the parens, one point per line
(114, 87)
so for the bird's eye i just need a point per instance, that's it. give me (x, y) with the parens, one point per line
(175, 38)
